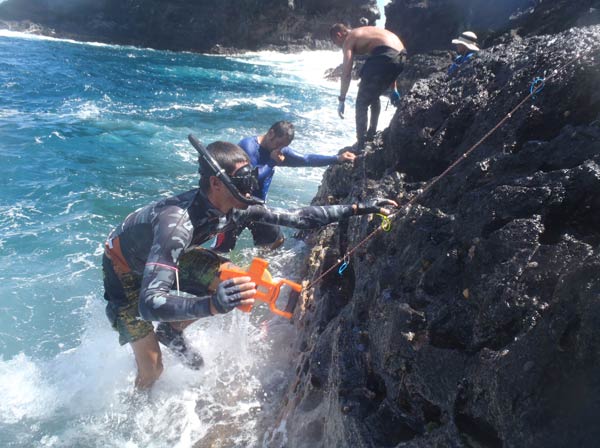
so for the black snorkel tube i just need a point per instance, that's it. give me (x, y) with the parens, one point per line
(220, 173)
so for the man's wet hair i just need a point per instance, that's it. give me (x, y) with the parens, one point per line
(337, 28)
(227, 155)
(283, 129)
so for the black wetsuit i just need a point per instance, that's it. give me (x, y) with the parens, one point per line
(381, 68)
(152, 239)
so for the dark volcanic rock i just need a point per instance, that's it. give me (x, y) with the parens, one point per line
(473, 322)
(186, 25)
(425, 26)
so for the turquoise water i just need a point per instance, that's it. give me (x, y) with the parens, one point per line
(89, 133)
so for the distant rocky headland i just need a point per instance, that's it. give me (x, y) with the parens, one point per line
(207, 26)
(287, 25)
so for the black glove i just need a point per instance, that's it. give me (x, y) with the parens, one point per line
(227, 296)
(373, 206)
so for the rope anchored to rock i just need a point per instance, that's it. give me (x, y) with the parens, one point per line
(536, 87)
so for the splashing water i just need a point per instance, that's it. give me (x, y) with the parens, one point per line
(89, 133)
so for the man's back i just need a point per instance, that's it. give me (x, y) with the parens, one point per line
(364, 39)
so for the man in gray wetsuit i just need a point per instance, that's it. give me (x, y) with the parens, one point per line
(151, 256)
(386, 57)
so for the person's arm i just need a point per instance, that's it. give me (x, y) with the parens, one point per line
(264, 187)
(172, 234)
(251, 147)
(346, 74)
(346, 77)
(294, 159)
(312, 217)
(265, 176)
(265, 171)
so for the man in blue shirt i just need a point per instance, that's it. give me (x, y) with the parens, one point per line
(266, 152)
(466, 47)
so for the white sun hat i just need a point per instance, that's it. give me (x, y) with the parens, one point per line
(468, 39)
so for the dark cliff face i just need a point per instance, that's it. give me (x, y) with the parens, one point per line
(425, 26)
(473, 322)
(187, 25)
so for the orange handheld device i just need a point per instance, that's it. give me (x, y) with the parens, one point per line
(266, 289)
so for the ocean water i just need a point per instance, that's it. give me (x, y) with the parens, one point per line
(88, 133)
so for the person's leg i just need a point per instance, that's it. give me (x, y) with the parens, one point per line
(363, 100)
(378, 73)
(375, 109)
(198, 275)
(148, 358)
(140, 334)
(266, 235)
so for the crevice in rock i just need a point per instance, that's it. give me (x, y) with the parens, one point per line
(581, 221)
(376, 384)
(476, 432)
(389, 428)
(432, 414)
(496, 224)
(504, 335)
(568, 340)
(444, 334)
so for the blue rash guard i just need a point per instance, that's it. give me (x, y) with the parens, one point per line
(261, 158)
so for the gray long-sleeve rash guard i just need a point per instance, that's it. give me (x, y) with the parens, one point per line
(153, 238)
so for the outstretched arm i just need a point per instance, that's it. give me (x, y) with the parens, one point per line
(292, 158)
(314, 216)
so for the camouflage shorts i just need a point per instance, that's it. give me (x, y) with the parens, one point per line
(197, 270)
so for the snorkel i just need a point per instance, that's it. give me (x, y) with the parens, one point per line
(220, 173)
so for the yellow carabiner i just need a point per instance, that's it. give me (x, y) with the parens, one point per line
(386, 223)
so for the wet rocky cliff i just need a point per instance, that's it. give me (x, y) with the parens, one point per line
(206, 26)
(475, 320)
(430, 25)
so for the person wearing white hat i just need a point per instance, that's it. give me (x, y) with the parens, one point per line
(466, 47)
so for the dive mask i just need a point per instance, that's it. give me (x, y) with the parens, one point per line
(245, 180)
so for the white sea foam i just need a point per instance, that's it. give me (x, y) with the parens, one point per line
(309, 66)
(84, 394)
(195, 107)
(28, 395)
(33, 35)
(10, 113)
(75, 382)
(259, 102)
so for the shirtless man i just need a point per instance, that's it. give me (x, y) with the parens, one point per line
(382, 67)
